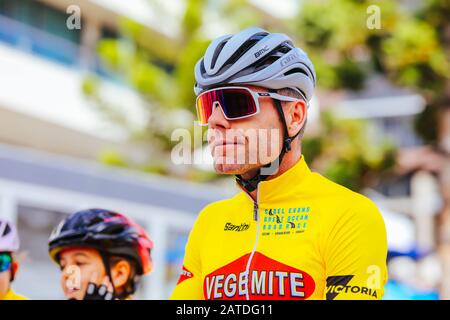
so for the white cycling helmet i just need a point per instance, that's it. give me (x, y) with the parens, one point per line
(255, 57)
(9, 239)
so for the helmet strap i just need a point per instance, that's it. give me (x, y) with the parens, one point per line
(251, 184)
(106, 263)
(126, 292)
(12, 271)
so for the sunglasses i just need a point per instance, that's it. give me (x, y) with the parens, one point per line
(5, 261)
(236, 102)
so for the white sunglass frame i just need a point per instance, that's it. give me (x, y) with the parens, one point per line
(255, 95)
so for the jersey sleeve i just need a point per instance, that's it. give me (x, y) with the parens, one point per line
(189, 285)
(355, 254)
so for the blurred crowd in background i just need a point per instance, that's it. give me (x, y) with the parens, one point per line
(92, 91)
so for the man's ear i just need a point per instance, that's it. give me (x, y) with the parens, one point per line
(120, 273)
(295, 114)
(14, 268)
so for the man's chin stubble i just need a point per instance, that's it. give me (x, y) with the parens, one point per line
(232, 169)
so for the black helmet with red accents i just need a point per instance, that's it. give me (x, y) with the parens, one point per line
(109, 232)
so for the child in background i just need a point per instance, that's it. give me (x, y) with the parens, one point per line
(102, 255)
(9, 245)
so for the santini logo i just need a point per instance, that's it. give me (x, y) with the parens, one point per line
(260, 52)
(235, 227)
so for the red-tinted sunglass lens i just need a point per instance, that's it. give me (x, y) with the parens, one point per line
(205, 106)
(235, 103)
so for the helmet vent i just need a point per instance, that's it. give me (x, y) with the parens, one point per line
(6, 231)
(244, 48)
(216, 54)
(295, 70)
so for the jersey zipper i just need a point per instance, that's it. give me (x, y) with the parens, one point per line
(256, 218)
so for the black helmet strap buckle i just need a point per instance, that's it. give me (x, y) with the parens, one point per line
(251, 184)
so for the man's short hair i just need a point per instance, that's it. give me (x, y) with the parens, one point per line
(294, 94)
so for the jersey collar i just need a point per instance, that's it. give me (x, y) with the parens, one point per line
(282, 187)
(11, 295)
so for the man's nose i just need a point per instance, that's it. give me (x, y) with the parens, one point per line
(217, 118)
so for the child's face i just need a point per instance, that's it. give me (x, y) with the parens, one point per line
(80, 266)
(5, 277)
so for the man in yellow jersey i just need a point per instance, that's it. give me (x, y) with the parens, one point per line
(290, 233)
(9, 244)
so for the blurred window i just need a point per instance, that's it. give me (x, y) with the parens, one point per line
(38, 277)
(395, 187)
(176, 244)
(40, 29)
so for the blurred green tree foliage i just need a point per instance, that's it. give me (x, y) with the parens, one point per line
(410, 48)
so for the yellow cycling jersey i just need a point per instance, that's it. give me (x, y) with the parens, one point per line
(11, 295)
(305, 237)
